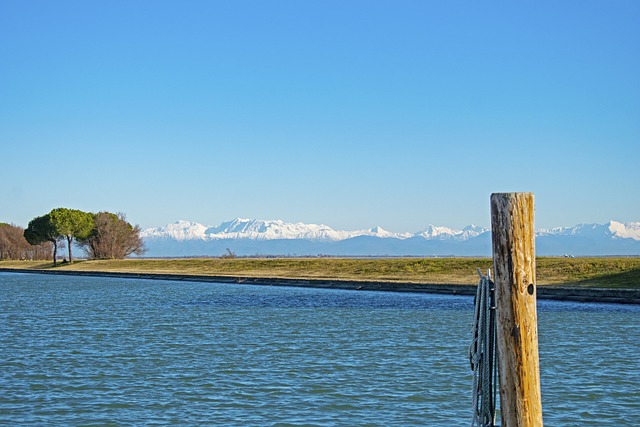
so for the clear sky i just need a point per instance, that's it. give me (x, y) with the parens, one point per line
(348, 113)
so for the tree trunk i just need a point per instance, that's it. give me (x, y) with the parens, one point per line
(55, 252)
(69, 239)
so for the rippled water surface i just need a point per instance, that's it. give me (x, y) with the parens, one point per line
(99, 351)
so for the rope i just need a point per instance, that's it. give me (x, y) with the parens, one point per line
(482, 354)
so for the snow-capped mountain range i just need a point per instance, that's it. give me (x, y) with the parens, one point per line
(276, 237)
(254, 229)
(629, 230)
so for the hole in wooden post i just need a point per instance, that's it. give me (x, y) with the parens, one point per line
(530, 288)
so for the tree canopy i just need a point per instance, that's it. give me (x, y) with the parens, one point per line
(41, 229)
(71, 224)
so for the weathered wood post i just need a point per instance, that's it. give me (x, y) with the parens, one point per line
(514, 266)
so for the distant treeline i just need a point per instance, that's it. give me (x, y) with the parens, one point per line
(13, 245)
(102, 235)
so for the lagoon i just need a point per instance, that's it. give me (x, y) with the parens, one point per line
(107, 351)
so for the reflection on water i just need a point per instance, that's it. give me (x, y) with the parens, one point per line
(79, 351)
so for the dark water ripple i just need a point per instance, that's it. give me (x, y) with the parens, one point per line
(97, 351)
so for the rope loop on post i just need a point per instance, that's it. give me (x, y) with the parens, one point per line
(482, 354)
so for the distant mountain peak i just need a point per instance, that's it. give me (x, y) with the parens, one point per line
(629, 230)
(179, 230)
(446, 233)
(378, 231)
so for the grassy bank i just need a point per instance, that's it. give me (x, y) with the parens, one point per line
(581, 272)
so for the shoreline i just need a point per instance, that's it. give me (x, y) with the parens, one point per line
(550, 292)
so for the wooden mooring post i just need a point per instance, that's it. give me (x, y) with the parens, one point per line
(514, 266)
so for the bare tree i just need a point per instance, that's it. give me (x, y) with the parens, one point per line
(14, 246)
(229, 254)
(112, 237)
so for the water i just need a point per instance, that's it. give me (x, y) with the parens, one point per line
(99, 351)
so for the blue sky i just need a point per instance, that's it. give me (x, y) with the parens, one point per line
(347, 113)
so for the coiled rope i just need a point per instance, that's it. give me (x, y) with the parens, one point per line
(482, 354)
